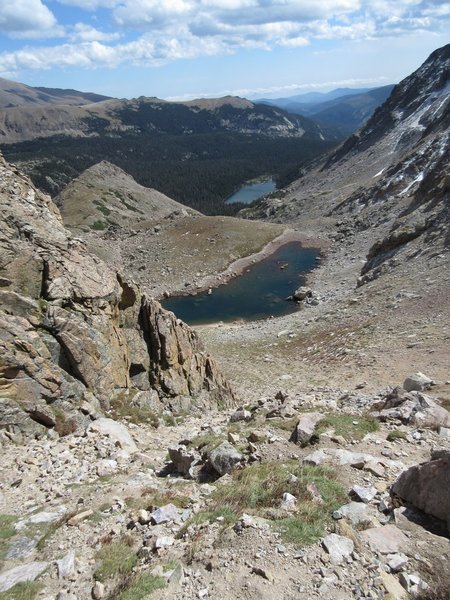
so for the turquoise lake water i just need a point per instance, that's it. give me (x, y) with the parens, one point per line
(252, 191)
(260, 292)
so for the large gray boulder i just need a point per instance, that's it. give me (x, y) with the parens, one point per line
(426, 486)
(305, 428)
(224, 458)
(417, 382)
(411, 408)
(21, 574)
(117, 432)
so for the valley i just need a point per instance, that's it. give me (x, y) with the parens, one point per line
(302, 456)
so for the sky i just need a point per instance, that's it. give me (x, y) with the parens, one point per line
(181, 49)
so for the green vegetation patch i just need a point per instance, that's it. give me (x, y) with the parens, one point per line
(150, 499)
(7, 523)
(117, 558)
(206, 442)
(350, 427)
(392, 436)
(139, 587)
(259, 488)
(102, 208)
(99, 225)
(22, 591)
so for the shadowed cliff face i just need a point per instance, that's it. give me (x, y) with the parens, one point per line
(74, 334)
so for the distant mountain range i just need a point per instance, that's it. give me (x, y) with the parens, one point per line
(197, 152)
(339, 112)
(14, 94)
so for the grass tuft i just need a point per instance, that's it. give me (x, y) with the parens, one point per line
(139, 587)
(22, 591)
(206, 442)
(260, 487)
(396, 435)
(117, 558)
(7, 529)
(350, 427)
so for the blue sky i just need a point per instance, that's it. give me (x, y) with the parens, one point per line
(179, 49)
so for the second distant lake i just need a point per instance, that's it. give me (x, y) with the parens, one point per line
(252, 191)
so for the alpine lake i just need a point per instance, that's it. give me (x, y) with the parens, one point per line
(260, 292)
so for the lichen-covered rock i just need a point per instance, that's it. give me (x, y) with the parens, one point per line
(72, 331)
(179, 365)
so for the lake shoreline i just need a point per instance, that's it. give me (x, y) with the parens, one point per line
(238, 266)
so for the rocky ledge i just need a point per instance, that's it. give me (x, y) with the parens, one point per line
(78, 339)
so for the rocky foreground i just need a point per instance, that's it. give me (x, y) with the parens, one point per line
(289, 497)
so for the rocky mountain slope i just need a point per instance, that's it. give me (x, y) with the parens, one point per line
(104, 195)
(321, 483)
(390, 178)
(13, 93)
(77, 338)
(112, 117)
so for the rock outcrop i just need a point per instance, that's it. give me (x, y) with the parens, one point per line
(74, 334)
(426, 486)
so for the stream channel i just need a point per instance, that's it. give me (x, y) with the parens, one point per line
(260, 292)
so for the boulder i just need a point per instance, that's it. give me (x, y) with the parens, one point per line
(356, 512)
(302, 293)
(241, 414)
(426, 486)
(363, 493)
(338, 547)
(21, 574)
(184, 460)
(165, 514)
(224, 458)
(411, 408)
(304, 429)
(388, 539)
(417, 382)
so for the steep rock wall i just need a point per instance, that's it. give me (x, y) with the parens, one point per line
(74, 334)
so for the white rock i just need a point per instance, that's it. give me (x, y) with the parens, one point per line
(338, 547)
(165, 514)
(288, 502)
(163, 541)
(396, 562)
(117, 432)
(363, 493)
(66, 565)
(21, 574)
(98, 591)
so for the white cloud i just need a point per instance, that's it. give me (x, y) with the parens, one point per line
(90, 5)
(28, 18)
(159, 31)
(86, 33)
